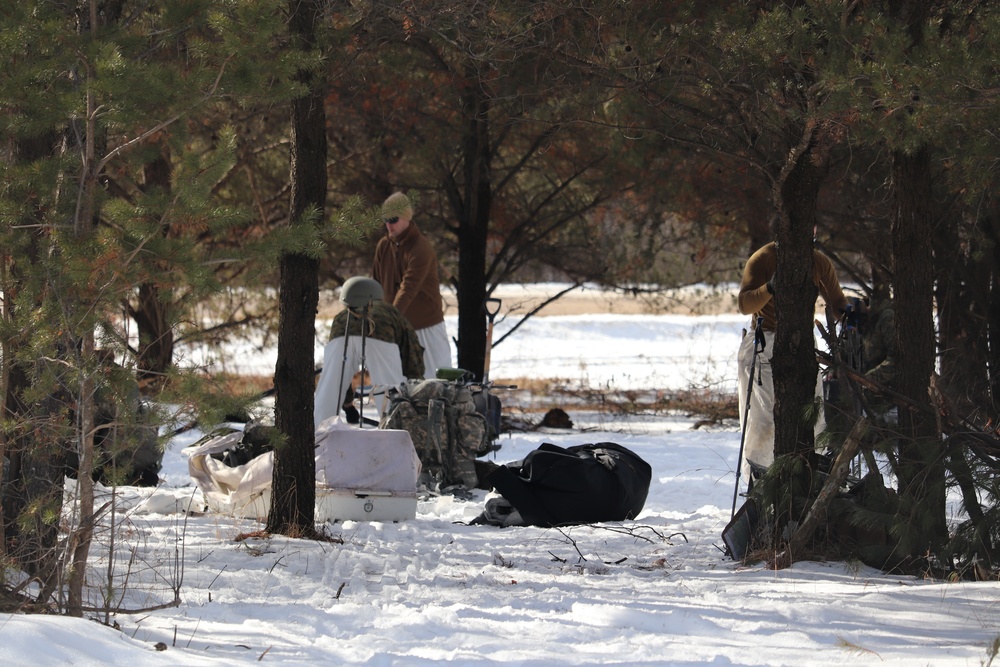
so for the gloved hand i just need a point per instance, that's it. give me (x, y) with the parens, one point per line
(760, 343)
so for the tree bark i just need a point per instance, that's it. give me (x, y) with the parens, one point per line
(473, 208)
(962, 294)
(152, 313)
(293, 490)
(793, 364)
(153, 320)
(921, 520)
(993, 312)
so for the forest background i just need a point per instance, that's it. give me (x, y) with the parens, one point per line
(192, 169)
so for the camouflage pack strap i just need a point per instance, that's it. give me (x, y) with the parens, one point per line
(436, 415)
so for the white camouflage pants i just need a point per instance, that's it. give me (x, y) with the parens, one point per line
(437, 349)
(381, 361)
(758, 445)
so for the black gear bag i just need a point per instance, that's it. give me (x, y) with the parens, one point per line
(554, 486)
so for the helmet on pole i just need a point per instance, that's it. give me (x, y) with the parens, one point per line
(359, 292)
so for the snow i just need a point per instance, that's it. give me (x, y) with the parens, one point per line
(654, 591)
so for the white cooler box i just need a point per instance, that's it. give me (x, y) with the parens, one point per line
(365, 474)
(361, 475)
(360, 505)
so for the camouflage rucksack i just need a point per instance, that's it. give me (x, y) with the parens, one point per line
(447, 431)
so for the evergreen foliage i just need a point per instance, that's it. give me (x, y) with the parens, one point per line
(146, 181)
(89, 107)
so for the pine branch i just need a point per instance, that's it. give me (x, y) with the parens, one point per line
(118, 150)
(985, 445)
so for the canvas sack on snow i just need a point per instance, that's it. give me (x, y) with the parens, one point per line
(447, 431)
(556, 486)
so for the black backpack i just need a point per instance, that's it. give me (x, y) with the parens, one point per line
(556, 486)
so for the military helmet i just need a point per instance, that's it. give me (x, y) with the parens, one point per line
(359, 291)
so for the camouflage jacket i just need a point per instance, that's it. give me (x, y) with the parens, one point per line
(384, 322)
(880, 345)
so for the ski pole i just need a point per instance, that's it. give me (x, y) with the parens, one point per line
(759, 344)
(492, 307)
(343, 367)
(364, 322)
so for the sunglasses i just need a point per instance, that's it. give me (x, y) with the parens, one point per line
(391, 221)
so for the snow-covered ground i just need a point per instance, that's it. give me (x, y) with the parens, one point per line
(654, 591)
(632, 350)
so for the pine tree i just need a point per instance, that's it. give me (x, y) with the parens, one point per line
(484, 112)
(294, 479)
(113, 79)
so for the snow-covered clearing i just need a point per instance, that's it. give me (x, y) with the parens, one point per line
(656, 591)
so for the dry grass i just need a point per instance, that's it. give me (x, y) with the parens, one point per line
(239, 385)
(531, 398)
(539, 395)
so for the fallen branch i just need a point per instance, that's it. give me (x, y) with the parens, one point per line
(835, 480)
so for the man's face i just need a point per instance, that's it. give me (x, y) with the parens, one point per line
(396, 225)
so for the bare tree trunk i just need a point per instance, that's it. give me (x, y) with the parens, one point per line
(293, 499)
(152, 316)
(793, 364)
(6, 350)
(993, 312)
(962, 293)
(962, 296)
(153, 310)
(93, 16)
(473, 208)
(921, 520)
(86, 213)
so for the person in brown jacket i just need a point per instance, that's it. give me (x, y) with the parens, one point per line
(407, 268)
(756, 298)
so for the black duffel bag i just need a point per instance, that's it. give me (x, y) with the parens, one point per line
(556, 486)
